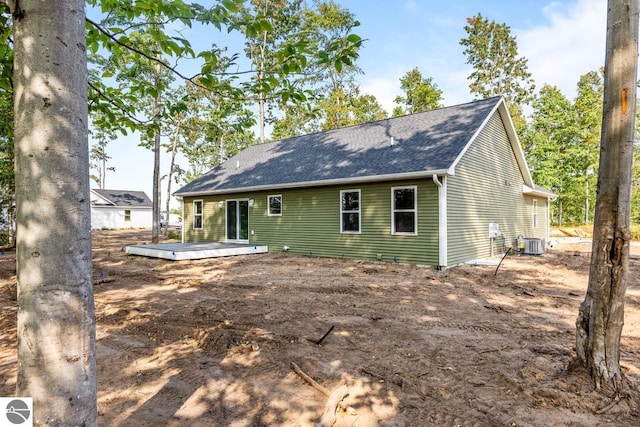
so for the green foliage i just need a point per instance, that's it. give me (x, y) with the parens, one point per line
(492, 51)
(316, 56)
(7, 177)
(562, 145)
(346, 109)
(6, 50)
(420, 94)
(174, 235)
(635, 182)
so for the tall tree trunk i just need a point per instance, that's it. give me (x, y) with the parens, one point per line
(261, 110)
(174, 150)
(155, 202)
(601, 315)
(12, 230)
(103, 174)
(56, 318)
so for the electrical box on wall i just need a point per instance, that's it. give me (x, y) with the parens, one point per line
(494, 230)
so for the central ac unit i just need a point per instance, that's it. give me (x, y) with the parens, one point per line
(533, 246)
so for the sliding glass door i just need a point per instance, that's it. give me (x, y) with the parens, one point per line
(238, 221)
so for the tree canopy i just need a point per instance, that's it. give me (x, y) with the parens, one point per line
(420, 94)
(498, 69)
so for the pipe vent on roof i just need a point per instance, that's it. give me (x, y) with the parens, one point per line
(391, 141)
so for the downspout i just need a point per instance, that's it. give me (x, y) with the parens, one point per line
(442, 221)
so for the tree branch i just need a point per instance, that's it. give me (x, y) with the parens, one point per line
(147, 56)
(119, 107)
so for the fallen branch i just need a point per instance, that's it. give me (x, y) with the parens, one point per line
(373, 374)
(101, 281)
(493, 349)
(334, 401)
(614, 402)
(309, 380)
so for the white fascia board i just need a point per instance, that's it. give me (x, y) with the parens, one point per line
(323, 183)
(501, 107)
(515, 143)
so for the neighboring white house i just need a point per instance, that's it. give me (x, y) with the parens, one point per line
(120, 209)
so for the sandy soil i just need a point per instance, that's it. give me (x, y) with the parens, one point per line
(214, 342)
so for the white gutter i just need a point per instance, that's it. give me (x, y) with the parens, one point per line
(538, 192)
(442, 220)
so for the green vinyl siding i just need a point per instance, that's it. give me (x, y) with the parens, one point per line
(213, 226)
(488, 188)
(310, 223)
(539, 232)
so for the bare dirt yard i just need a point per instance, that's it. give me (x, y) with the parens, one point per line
(228, 341)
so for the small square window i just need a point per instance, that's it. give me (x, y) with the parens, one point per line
(274, 203)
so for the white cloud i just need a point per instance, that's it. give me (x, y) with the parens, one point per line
(385, 89)
(570, 45)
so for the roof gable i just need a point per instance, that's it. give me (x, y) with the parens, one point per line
(421, 144)
(114, 198)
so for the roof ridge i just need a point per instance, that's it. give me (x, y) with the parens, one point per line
(476, 101)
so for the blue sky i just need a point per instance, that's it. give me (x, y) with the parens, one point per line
(562, 40)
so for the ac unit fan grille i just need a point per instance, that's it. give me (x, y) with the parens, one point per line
(533, 246)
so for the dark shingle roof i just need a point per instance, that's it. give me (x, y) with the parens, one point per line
(424, 142)
(137, 199)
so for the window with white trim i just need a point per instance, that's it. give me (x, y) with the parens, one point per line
(535, 213)
(274, 205)
(127, 214)
(404, 210)
(197, 214)
(350, 211)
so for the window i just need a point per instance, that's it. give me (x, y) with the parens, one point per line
(274, 205)
(350, 211)
(535, 213)
(404, 211)
(127, 214)
(197, 214)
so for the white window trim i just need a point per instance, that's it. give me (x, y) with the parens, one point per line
(535, 218)
(414, 210)
(269, 205)
(127, 217)
(201, 215)
(359, 212)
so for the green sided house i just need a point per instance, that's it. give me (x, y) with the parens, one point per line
(436, 188)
